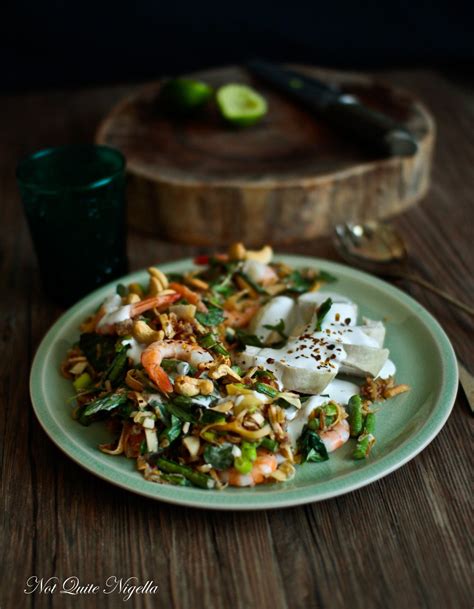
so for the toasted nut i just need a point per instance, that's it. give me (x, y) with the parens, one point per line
(222, 371)
(133, 382)
(264, 255)
(185, 385)
(136, 288)
(189, 386)
(184, 311)
(144, 334)
(192, 444)
(206, 386)
(195, 282)
(237, 251)
(167, 324)
(154, 272)
(155, 286)
(131, 298)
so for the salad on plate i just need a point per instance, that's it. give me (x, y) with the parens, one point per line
(231, 374)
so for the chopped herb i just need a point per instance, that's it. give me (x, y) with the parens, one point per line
(280, 329)
(183, 413)
(311, 446)
(325, 277)
(122, 290)
(245, 339)
(211, 416)
(98, 349)
(296, 282)
(117, 368)
(88, 412)
(210, 341)
(323, 310)
(213, 317)
(172, 431)
(220, 457)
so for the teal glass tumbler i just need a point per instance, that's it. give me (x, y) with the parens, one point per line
(74, 201)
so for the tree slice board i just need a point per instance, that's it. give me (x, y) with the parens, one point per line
(288, 178)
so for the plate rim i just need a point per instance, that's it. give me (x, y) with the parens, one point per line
(446, 396)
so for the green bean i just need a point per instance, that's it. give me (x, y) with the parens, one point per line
(269, 444)
(355, 415)
(196, 478)
(366, 440)
(266, 389)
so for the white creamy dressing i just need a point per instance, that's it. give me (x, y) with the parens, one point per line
(135, 350)
(307, 349)
(337, 390)
(115, 312)
(388, 369)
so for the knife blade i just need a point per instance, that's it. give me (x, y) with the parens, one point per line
(344, 112)
(466, 381)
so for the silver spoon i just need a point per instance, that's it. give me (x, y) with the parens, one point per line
(378, 248)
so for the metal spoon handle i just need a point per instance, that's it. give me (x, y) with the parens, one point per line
(429, 286)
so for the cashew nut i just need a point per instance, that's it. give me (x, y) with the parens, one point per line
(264, 255)
(160, 276)
(144, 334)
(189, 386)
(237, 251)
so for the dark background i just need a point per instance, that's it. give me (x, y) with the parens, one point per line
(52, 43)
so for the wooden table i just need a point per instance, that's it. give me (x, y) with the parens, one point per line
(401, 542)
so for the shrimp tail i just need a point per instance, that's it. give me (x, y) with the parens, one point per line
(154, 301)
(161, 379)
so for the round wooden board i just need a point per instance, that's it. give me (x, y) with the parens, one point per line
(286, 179)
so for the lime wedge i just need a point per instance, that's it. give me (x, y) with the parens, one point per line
(241, 105)
(183, 95)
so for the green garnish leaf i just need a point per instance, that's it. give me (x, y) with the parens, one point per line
(181, 411)
(211, 416)
(121, 289)
(245, 339)
(220, 457)
(173, 431)
(98, 349)
(88, 412)
(117, 369)
(323, 310)
(311, 447)
(325, 277)
(213, 317)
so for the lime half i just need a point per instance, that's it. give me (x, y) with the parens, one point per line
(183, 95)
(241, 105)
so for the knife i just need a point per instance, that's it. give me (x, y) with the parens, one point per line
(344, 112)
(466, 381)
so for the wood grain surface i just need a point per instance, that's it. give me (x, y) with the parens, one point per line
(288, 178)
(402, 542)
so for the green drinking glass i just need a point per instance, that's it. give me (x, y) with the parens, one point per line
(74, 201)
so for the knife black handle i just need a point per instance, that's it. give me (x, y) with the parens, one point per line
(376, 130)
(345, 113)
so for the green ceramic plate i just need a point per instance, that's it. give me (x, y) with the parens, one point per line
(405, 425)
